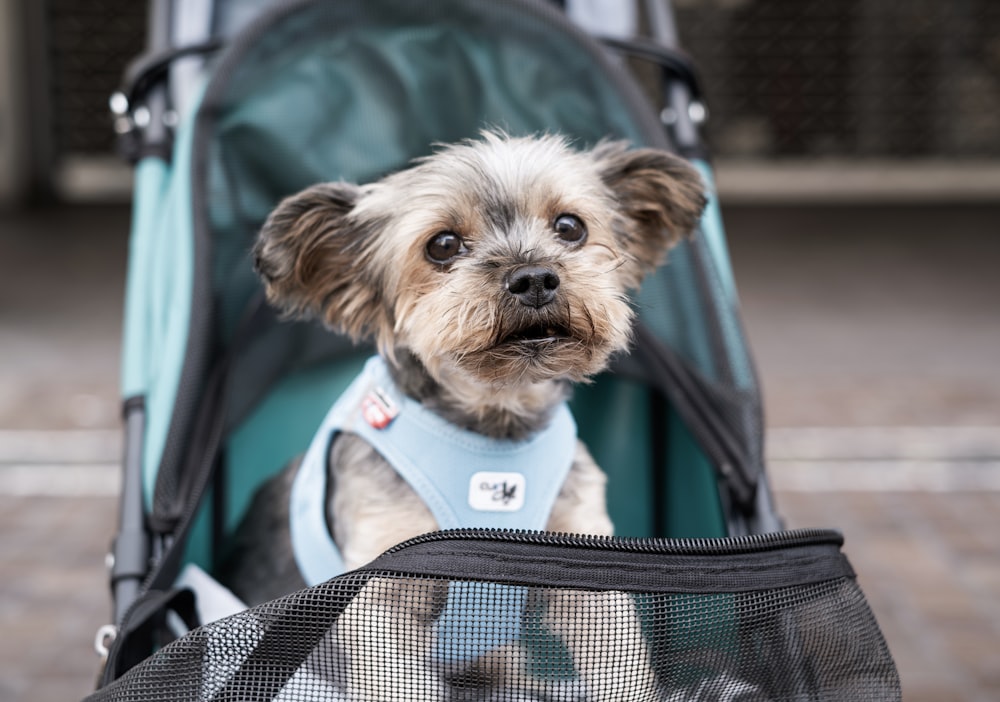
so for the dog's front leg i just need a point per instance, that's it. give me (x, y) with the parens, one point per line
(603, 634)
(601, 630)
(387, 632)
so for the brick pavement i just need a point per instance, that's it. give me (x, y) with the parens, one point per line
(53, 595)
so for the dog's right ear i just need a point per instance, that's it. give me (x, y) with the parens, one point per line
(314, 258)
(661, 197)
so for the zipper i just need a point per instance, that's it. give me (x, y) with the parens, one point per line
(725, 546)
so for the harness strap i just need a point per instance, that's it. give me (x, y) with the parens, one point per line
(466, 479)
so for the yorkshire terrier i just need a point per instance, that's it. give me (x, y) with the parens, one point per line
(491, 276)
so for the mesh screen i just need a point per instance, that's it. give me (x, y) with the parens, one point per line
(384, 635)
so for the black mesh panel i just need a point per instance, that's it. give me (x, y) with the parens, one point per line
(762, 618)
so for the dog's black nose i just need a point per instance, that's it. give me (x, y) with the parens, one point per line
(534, 286)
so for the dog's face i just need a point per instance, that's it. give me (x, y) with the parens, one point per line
(496, 262)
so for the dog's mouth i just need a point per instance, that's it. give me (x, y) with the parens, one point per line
(539, 333)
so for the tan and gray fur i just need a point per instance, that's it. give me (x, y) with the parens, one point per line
(547, 242)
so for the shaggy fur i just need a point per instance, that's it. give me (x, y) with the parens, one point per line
(491, 276)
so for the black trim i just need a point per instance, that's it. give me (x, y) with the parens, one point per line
(143, 630)
(288, 643)
(700, 566)
(690, 397)
(178, 508)
(742, 466)
(219, 491)
(659, 436)
(697, 546)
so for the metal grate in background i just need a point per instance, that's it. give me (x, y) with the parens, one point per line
(848, 78)
(789, 83)
(88, 44)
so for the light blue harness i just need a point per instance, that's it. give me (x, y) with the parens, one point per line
(466, 479)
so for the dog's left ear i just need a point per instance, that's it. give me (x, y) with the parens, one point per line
(314, 256)
(660, 198)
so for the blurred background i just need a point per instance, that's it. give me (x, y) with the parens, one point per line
(857, 147)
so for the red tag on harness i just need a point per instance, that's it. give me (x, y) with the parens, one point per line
(378, 410)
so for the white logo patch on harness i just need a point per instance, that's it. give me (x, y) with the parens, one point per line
(497, 492)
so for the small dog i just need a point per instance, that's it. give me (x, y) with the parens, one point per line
(491, 275)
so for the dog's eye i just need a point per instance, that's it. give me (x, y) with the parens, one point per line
(570, 228)
(444, 246)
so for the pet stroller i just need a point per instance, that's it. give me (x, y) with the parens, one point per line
(240, 103)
